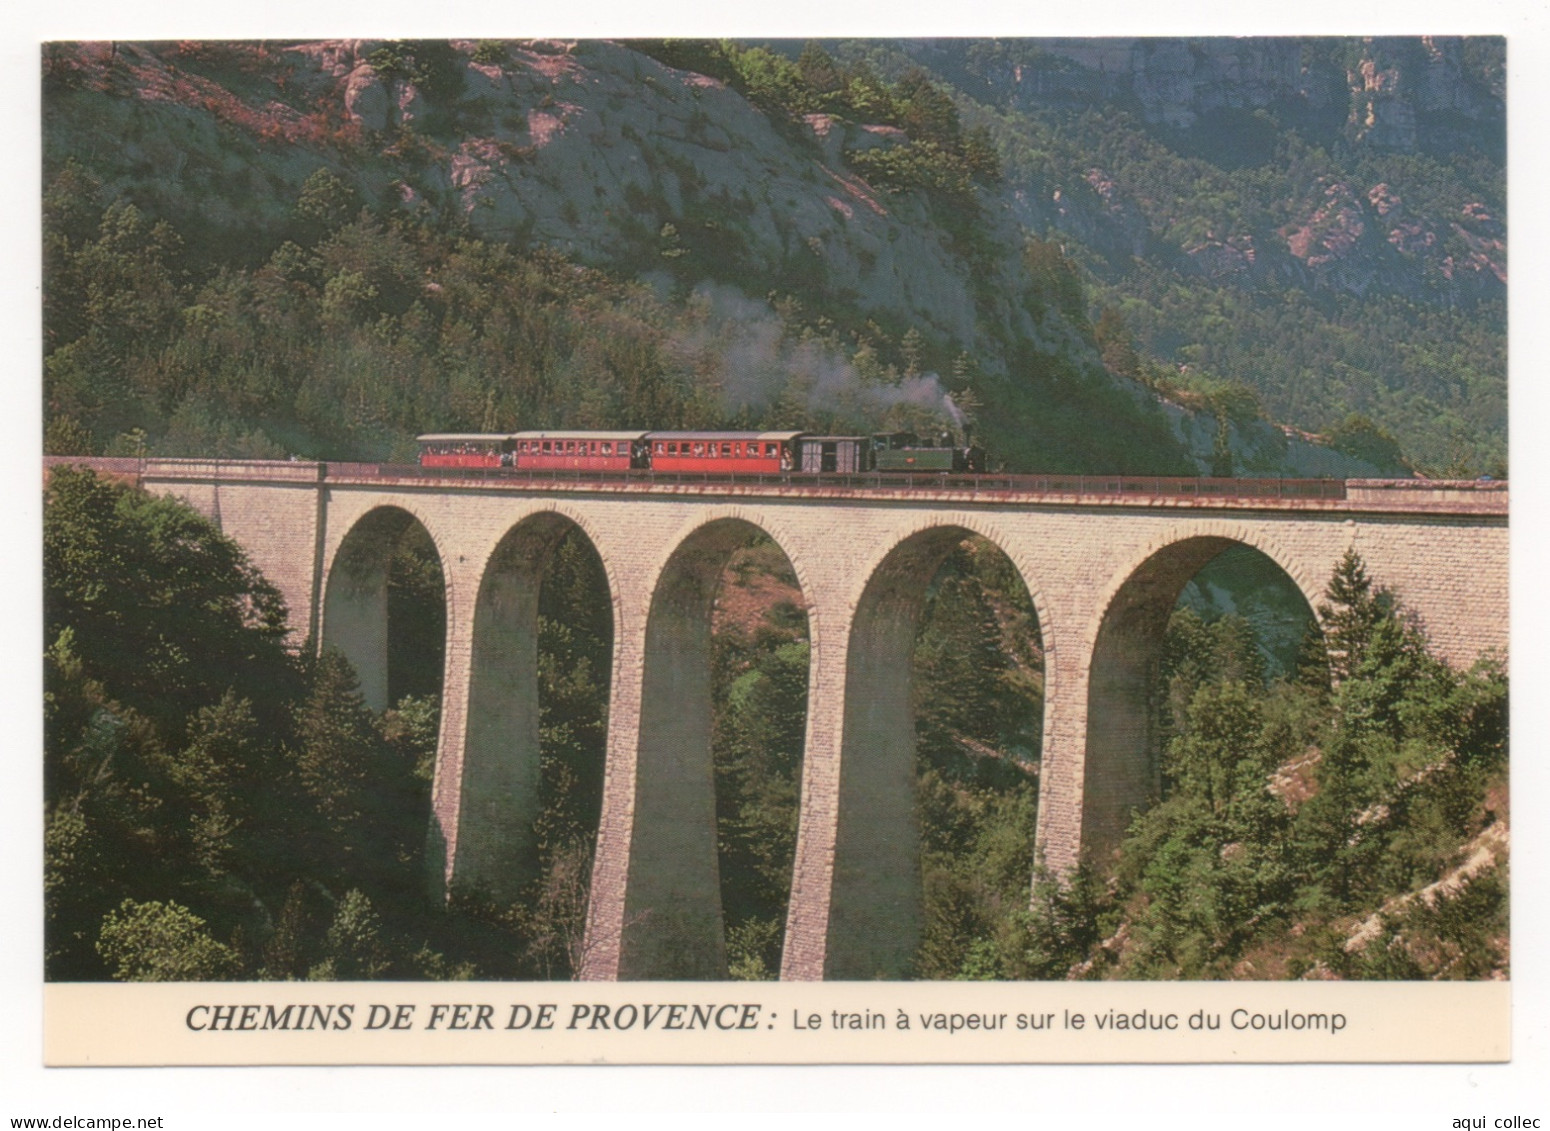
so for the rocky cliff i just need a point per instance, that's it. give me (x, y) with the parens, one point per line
(1232, 100)
(1392, 93)
(588, 147)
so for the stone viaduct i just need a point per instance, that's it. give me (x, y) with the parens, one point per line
(1103, 569)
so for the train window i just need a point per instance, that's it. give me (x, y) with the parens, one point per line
(699, 449)
(606, 448)
(548, 446)
(769, 450)
(661, 447)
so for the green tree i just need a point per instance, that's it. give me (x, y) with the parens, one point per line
(819, 70)
(1059, 931)
(1357, 435)
(66, 436)
(925, 111)
(1218, 744)
(354, 947)
(131, 282)
(162, 942)
(236, 802)
(163, 608)
(346, 768)
(326, 203)
(1351, 613)
(216, 774)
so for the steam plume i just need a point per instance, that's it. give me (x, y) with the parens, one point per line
(743, 344)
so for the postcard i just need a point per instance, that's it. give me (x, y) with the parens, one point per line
(731, 551)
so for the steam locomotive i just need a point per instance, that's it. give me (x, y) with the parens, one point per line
(706, 452)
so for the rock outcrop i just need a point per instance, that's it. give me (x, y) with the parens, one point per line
(589, 147)
(1391, 93)
(1394, 95)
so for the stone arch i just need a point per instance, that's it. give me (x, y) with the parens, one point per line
(673, 926)
(499, 788)
(771, 526)
(1121, 772)
(875, 915)
(983, 526)
(355, 594)
(584, 523)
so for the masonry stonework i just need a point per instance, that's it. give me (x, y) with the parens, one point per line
(1102, 572)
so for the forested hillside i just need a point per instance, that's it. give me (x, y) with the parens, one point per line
(330, 286)
(1305, 830)
(483, 235)
(1321, 220)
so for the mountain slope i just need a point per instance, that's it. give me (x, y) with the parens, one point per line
(789, 243)
(1322, 219)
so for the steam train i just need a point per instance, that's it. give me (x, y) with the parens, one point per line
(707, 452)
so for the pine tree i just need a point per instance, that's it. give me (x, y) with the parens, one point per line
(1351, 612)
(344, 766)
(818, 68)
(354, 942)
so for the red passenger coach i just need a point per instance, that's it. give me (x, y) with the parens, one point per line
(456, 449)
(579, 451)
(734, 452)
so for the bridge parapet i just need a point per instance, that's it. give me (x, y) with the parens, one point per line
(234, 470)
(1398, 496)
(1470, 496)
